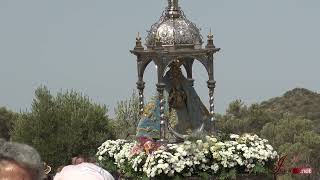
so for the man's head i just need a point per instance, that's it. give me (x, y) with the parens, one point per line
(19, 161)
(79, 159)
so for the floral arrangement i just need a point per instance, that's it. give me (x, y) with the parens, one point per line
(211, 156)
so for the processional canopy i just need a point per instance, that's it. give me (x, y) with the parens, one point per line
(175, 41)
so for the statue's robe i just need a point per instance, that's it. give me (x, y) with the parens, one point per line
(193, 115)
(149, 125)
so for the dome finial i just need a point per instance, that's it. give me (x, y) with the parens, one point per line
(173, 9)
(138, 43)
(210, 36)
(210, 43)
(138, 38)
(173, 3)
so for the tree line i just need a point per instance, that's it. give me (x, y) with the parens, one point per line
(69, 123)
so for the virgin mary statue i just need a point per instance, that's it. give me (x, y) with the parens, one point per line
(192, 115)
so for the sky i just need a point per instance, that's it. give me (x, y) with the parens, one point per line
(268, 47)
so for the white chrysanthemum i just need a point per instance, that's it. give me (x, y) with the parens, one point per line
(234, 136)
(238, 151)
(215, 167)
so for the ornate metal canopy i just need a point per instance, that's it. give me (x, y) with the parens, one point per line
(173, 38)
(173, 28)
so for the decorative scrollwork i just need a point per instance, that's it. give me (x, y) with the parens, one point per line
(174, 31)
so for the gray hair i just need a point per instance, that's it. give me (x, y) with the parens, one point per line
(22, 154)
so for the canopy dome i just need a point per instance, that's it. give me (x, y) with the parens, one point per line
(174, 29)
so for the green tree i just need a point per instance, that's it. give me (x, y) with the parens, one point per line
(290, 123)
(7, 119)
(294, 137)
(62, 126)
(241, 119)
(127, 117)
(286, 130)
(236, 109)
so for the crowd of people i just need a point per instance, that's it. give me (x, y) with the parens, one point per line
(23, 162)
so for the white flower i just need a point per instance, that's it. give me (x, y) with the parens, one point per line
(220, 144)
(187, 142)
(269, 147)
(100, 158)
(215, 167)
(202, 155)
(234, 136)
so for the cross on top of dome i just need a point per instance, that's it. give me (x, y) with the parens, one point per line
(173, 9)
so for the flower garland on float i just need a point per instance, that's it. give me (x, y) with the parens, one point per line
(213, 156)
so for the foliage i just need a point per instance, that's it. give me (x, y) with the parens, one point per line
(237, 109)
(241, 119)
(291, 123)
(7, 119)
(297, 102)
(127, 117)
(286, 130)
(260, 169)
(62, 126)
(226, 175)
(295, 138)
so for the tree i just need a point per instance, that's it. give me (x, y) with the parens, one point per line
(6, 122)
(286, 130)
(236, 109)
(63, 126)
(294, 137)
(290, 123)
(127, 117)
(242, 119)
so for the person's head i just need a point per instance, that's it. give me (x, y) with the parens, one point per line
(19, 161)
(80, 159)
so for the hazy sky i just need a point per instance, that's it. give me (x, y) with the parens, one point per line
(268, 47)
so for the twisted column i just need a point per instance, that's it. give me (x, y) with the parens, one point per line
(211, 86)
(163, 123)
(140, 86)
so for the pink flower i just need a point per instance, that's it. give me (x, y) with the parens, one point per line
(142, 140)
(136, 150)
